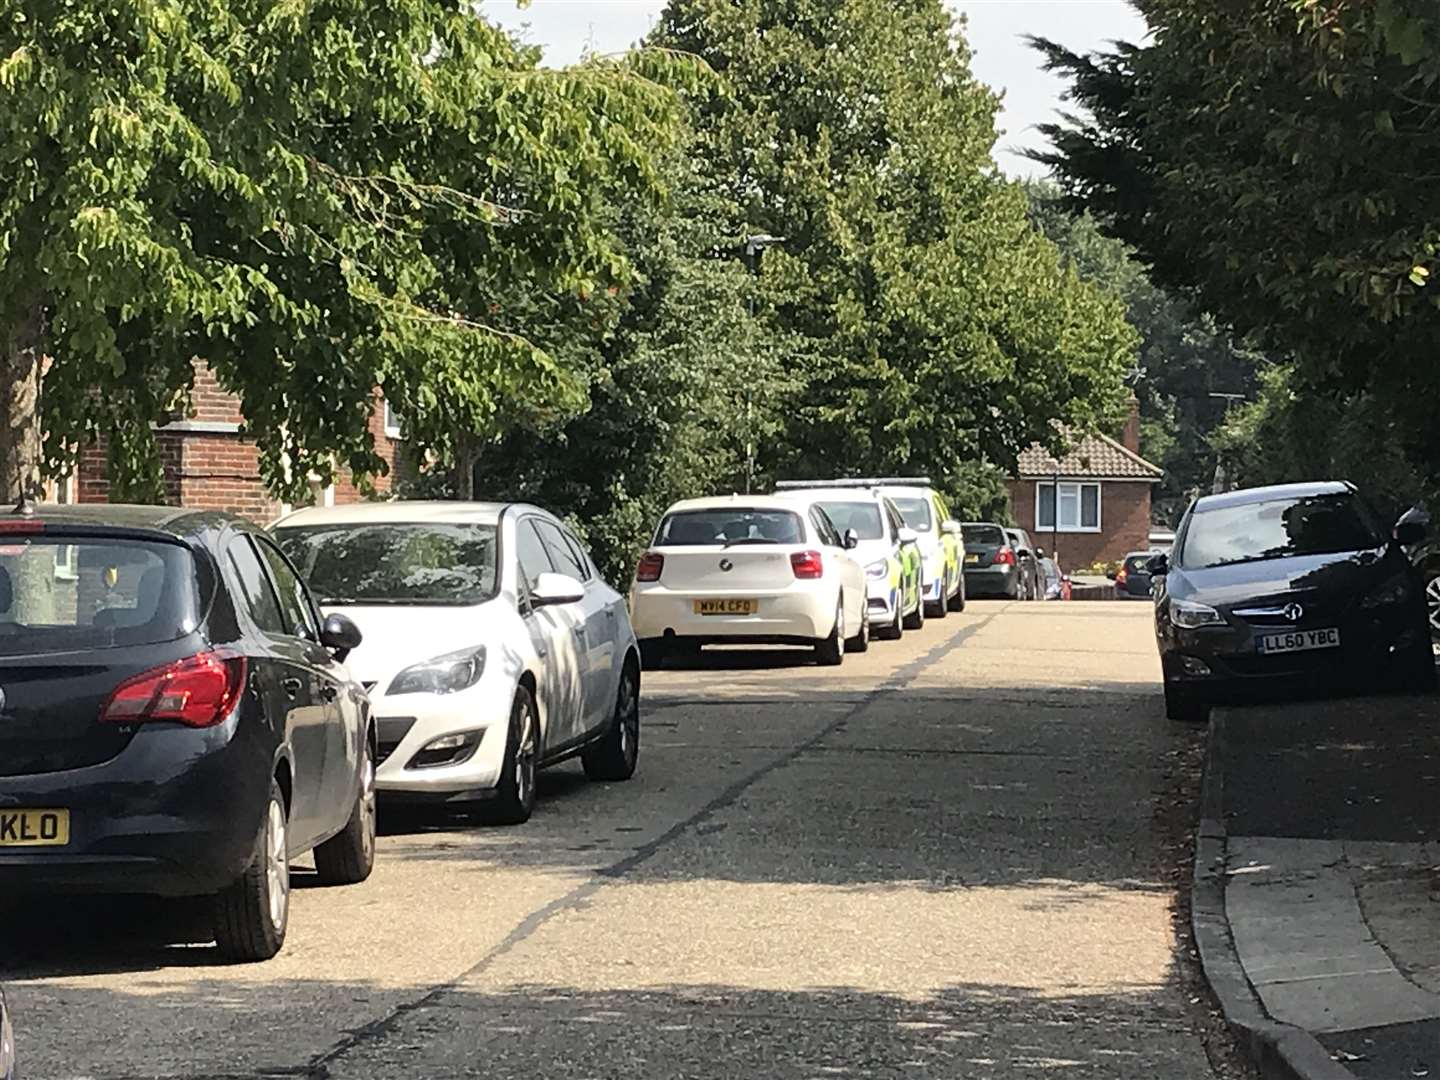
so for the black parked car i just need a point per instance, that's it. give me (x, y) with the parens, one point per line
(1285, 588)
(998, 562)
(175, 718)
(1132, 580)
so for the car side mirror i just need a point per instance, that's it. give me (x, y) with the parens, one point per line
(1039, 553)
(1157, 565)
(340, 635)
(1112, 574)
(950, 528)
(552, 589)
(908, 537)
(1409, 533)
(852, 539)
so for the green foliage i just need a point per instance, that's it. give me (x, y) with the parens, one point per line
(1276, 156)
(318, 200)
(1184, 356)
(929, 324)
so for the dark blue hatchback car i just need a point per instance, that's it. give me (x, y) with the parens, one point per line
(175, 717)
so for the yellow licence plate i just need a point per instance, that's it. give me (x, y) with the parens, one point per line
(726, 607)
(971, 558)
(34, 828)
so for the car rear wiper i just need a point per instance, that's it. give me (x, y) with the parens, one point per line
(749, 540)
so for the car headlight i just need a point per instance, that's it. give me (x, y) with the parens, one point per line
(878, 570)
(1394, 591)
(443, 675)
(1190, 615)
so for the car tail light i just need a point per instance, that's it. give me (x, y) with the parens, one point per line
(807, 564)
(22, 525)
(1004, 557)
(198, 692)
(651, 563)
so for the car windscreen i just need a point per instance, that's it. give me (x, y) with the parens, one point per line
(983, 536)
(863, 517)
(1278, 528)
(1135, 564)
(730, 525)
(60, 594)
(395, 562)
(916, 512)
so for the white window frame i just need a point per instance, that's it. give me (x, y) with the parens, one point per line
(393, 429)
(1071, 487)
(65, 492)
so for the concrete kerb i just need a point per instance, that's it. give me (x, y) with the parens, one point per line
(1280, 1051)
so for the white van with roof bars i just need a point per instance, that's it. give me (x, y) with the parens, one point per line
(749, 570)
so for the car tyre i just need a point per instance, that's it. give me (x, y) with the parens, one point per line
(348, 857)
(957, 602)
(830, 651)
(1185, 707)
(652, 655)
(940, 608)
(860, 642)
(514, 800)
(613, 756)
(251, 915)
(1416, 668)
(916, 619)
(894, 630)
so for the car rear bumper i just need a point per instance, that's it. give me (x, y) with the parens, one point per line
(992, 580)
(176, 813)
(795, 614)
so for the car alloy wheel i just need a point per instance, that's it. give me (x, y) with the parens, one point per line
(1432, 601)
(525, 755)
(277, 865)
(628, 708)
(368, 813)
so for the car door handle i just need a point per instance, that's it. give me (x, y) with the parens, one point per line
(291, 686)
(329, 692)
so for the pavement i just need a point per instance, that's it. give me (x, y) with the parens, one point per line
(1318, 884)
(957, 855)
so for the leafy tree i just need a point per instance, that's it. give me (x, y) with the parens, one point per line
(1184, 358)
(931, 325)
(1276, 156)
(317, 199)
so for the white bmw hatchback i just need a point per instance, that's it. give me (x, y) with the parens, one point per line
(491, 648)
(749, 570)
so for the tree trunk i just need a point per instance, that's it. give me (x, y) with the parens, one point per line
(466, 455)
(20, 448)
(31, 571)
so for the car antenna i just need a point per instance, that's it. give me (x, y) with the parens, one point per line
(24, 506)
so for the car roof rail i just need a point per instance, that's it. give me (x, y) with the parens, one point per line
(856, 482)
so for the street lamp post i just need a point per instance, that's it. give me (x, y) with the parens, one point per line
(1222, 481)
(754, 248)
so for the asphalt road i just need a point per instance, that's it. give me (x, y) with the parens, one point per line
(951, 857)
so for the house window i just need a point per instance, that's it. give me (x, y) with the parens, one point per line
(392, 422)
(1076, 505)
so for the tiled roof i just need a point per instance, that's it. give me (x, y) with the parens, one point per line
(1090, 456)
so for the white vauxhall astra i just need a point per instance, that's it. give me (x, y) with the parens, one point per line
(492, 648)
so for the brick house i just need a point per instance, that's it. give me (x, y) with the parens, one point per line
(1090, 505)
(209, 465)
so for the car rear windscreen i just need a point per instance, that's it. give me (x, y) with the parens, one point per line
(1279, 528)
(730, 525)
(395, 562)
(863, 517)
(983, 536)
(61, 595)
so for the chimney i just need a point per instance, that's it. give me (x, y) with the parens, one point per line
(1130, 437)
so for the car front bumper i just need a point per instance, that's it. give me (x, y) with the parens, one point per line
(1222, 664)
(407, 723)
(176, 813)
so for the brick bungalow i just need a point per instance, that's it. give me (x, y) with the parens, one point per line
(1090, 505)
(209, 465)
